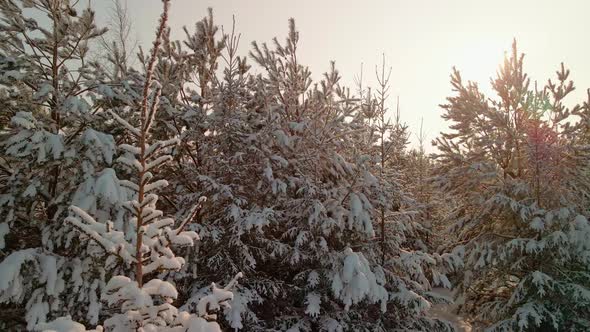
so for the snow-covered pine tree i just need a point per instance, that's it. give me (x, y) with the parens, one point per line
(291, 197)
(147, 246)
(272, 154)
(53, 152)
(212, 125)
(145, 240)
(53, 156)
(317, 193)
(519, 170)
(429, 203)
(411, 271)
(381, 148)
(230, 140)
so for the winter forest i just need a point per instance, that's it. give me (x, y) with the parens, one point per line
(184, 186)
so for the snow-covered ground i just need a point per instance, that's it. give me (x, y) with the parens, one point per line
(447, 312)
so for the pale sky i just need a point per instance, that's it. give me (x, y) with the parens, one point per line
(422, 40)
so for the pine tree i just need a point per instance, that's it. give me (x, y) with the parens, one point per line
(288, 188)
(53, 151)
(302, 179)
(146, 240)
(323, 191)
(520, 175)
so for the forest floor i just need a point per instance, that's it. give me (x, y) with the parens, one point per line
(447, 312)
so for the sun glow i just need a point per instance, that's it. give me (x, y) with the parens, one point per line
(479, 59)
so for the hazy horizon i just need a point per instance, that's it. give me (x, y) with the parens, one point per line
(422, 40)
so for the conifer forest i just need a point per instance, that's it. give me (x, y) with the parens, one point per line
(188, 186)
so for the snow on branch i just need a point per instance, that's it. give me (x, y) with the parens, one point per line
(111, 241)
(135, 131)
(209, 305)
